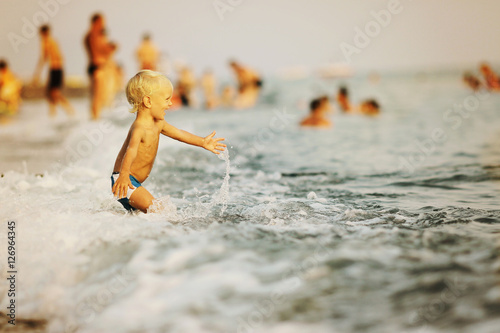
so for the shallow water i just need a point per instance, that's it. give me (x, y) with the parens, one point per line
(370, 226)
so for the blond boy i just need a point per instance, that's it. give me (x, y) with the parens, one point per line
(150, 94)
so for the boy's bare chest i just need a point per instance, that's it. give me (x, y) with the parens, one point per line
(150, 141)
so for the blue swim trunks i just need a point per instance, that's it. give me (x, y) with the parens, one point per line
(125, 201)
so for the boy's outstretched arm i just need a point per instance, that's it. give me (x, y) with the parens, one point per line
(208, 142)
(123, 182)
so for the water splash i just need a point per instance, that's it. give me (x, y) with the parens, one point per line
(222, 195)
(165, 207)
(200, 209)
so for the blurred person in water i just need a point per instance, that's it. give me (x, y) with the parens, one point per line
(319, 107)
(472, 81)
(147, 54)
(10, 90)
(185, 86)
(343, 99)
(99, 51)
(209, 84)
(227, 96)
(370, 107)
(51, 54)
(491, 78)
(249, 85)
(150, 94)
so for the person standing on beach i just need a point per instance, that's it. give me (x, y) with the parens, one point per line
(10, 90)
(50, 53)
(99, 50)
(147, 54)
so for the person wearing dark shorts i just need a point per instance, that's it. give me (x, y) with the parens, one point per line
(51, 54)
(91, 69)
(56, 79)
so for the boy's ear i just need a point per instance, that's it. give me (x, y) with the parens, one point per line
(146, 100)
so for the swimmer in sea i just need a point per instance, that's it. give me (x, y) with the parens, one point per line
(10, 90)
(249, 85)
(343, 100)
(50, 53)
(99, 50)
(370, 108)
(147, 54)
(492, 80)
(472, 81)
(318, 108)
(150, 95)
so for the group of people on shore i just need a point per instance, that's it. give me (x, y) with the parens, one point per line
(491, 79)
(320, 107)
(106, 80)
(106, 76)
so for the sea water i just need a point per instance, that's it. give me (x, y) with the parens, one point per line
(386, 224)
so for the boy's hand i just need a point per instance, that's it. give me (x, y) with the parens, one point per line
(209, 143)
(121, 186)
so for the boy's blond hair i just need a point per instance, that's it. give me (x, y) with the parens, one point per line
(143, 83)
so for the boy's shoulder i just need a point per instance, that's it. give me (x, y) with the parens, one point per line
(139, 125)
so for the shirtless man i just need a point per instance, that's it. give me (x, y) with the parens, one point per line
(98, 50)
(10, 90)
(492, 80)
(319, 107)
(147, 54)
(249, 84)
(185, 85)
(50, 53)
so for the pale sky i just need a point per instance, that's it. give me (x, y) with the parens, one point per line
(265, 34)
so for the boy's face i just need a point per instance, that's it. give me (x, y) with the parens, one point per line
(161, 100)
